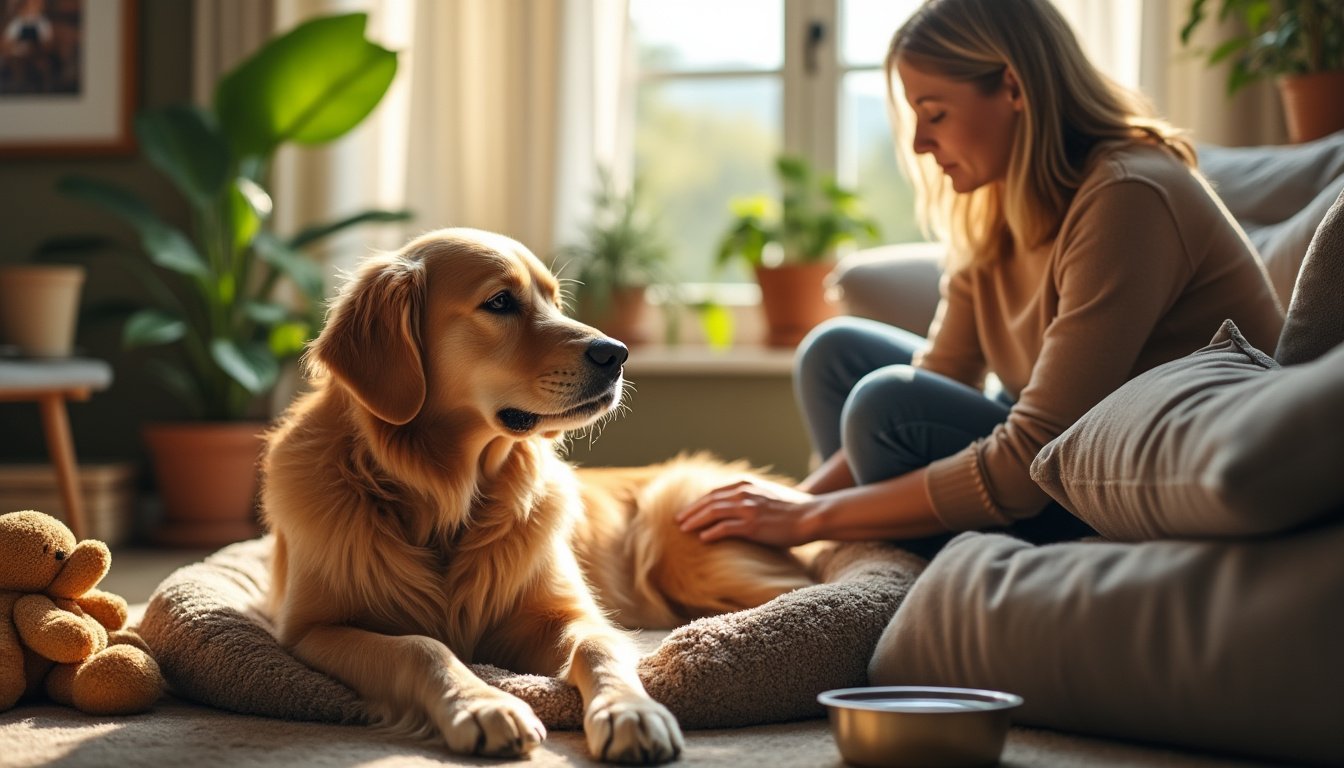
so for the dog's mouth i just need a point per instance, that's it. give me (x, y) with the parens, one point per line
(520, 421)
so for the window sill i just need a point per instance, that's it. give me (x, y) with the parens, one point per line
(700, 360)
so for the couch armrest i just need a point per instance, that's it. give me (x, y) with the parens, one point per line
(895, 284)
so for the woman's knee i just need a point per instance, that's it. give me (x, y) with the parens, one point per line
(850, 347)
(879, 396)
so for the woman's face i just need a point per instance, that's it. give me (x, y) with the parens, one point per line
(968, 132)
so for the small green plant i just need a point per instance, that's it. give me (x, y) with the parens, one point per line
(1280, 37)
(620, 247)
(815, 216)
(233, 300)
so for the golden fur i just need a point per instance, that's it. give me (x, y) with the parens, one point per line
(424, 519)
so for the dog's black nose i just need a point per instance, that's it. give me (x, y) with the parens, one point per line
(607, 352)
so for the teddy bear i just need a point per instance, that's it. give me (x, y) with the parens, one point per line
(60, 634)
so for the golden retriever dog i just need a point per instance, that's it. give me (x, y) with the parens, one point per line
(424, 518)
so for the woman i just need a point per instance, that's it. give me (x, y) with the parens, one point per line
(1084, 248)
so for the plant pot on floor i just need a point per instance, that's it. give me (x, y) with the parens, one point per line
(794, 299)
(207, 476)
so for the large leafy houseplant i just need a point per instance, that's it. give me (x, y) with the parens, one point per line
(232, 299)
(619, 254)
(1300, 43)
(791, 245)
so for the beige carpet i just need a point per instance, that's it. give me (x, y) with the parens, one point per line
(182, 734)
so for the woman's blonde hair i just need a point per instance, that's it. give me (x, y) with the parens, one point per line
(1069, 109)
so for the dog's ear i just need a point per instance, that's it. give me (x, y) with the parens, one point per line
(371, 342)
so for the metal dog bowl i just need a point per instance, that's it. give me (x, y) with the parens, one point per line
(890, 726)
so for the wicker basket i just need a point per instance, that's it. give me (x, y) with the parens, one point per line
(109, 496)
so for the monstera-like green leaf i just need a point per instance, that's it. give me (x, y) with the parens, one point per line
(183, 143)
(309, 86)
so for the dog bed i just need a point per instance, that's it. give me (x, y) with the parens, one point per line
(207, 626)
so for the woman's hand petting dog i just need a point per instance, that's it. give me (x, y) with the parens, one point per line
(755, 509)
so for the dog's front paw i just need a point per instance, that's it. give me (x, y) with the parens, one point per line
(631, 729)
(489, 722)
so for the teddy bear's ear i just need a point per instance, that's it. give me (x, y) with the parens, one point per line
(83, 569)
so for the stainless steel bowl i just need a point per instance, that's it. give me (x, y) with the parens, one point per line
(889, 726)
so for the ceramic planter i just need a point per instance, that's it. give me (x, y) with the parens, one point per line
(794, 299)
(207, 476)
(624, 316)
(39, 306)
(1313, 105)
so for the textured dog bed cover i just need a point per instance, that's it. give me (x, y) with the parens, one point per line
(207, 626)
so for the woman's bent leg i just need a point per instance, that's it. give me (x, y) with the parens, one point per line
(832, 359)
(899, 419)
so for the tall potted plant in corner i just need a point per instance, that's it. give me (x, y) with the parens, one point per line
(232, 300)
(791, 245)
(1298, 42)
(619, 256)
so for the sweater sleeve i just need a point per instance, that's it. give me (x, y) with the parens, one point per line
(1121, 265)
(954, 344)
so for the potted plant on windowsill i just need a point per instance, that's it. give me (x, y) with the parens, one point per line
(618, 258)
(791, 245)
(1298, 42)
(233, 301)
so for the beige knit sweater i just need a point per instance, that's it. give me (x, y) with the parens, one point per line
(1146, 266)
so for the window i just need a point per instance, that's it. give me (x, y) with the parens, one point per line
(725, 85)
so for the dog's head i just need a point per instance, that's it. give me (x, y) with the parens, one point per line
(467, 324)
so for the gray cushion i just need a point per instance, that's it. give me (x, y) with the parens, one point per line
(1222, 442)
(1315, 322)
(1227, 646)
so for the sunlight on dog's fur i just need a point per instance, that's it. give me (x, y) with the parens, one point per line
(424, 519)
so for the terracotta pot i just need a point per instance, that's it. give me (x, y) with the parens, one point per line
(624, 316)
(1313, 104)
(794, 299)
(39, 305)
(207, 476)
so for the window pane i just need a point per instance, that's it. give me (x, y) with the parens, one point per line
(866, 27)
(698, 35)
(868, 156)
(698, 144)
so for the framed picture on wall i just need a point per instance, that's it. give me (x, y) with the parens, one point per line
(67, 77)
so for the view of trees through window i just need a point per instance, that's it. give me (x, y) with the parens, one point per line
(711, 113)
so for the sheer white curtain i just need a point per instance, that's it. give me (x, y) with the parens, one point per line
(597, 121)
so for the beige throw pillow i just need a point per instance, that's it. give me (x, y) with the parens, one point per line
(1220, 443)
(1227, 646)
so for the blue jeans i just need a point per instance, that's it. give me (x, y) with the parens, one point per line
(857, 390)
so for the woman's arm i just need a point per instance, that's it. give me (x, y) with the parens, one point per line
(770, 513)
(832, 475)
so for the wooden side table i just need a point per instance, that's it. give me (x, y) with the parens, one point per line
(52, 383)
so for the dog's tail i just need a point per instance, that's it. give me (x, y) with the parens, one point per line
(687, 577)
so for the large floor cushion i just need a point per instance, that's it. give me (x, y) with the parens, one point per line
(1231, 647)
(208, 630)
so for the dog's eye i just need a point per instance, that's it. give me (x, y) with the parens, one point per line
(501, 303)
